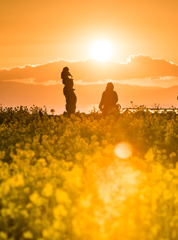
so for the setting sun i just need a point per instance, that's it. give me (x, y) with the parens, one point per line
(101, 50)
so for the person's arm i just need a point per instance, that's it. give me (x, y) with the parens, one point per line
(62, 75)
(116, 97)
(101, 102)
(69, 74)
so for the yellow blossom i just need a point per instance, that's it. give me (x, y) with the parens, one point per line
(47, 190)
(59, 211)
(3, 235)
(28, 235)
(61, 196)
(36, 199)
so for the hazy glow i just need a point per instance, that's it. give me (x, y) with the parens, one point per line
(101, 50)
(123, 150)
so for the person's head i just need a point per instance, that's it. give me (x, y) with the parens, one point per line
(110, 86)
(65, 69)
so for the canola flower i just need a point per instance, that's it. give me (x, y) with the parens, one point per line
(86, 177)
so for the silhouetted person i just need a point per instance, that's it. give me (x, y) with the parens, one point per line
(108, 100)
(65, 74)
(68, 91)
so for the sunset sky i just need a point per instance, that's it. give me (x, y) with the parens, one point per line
(143, 36)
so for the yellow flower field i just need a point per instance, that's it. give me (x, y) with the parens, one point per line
(88, 178)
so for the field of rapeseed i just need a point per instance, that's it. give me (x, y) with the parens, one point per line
(87, 178)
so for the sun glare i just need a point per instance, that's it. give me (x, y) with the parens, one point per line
(101, 50)
(123, 150)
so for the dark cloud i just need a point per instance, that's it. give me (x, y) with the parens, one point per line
(92, 71)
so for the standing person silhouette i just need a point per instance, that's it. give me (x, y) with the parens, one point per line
(68, 91)
(108, 100)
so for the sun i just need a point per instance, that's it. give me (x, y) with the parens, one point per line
(101, 50)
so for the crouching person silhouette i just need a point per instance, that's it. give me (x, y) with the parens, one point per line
(108, 100)
(68, 91)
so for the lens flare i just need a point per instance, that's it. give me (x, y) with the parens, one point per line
(123, 150)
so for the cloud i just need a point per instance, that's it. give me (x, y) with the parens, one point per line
(138, 66)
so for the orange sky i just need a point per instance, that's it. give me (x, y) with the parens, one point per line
(43, 33)
(38, 31)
